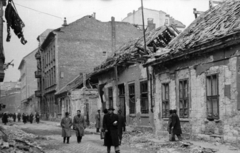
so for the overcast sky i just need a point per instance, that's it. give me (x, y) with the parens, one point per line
(36, 22)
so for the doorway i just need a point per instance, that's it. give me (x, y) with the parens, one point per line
(122, 101)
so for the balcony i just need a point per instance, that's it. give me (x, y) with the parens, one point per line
(37, 55)
(38, 93)
(38, 74)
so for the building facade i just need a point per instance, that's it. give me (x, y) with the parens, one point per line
(124, 84)
(27, 69)
(159, 18)
(199, 77)
(77, 48)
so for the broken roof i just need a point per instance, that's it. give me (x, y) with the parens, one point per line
(213, 25)
(133, 51)
(73, 84)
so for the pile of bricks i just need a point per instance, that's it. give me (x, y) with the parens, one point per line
(13, 140)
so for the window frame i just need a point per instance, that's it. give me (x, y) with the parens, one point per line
(183, 99)
(164, 101)
(132, 95)
(212, 97)
(144, 97)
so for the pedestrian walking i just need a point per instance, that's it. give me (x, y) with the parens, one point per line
(66, 125)
(31, 116)
(121, 125)
(110, 125)
(98, 120)
(19, 117)
(170, 125)
(14, 117)
(5, 118)
(24, 118)
(37, 117)
(102, 134)
(79, 125)
(175, 126)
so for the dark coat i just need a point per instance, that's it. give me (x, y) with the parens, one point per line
(5, 118)
(79, 125)
(176, 124)
(66, 124)
(111, 136)
(121, 125)
(37, 117)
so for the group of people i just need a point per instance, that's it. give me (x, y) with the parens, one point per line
(18, 116)
(112, 125)
(78, 124)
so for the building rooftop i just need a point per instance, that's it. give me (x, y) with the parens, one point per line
(133, 51)
(220, 23)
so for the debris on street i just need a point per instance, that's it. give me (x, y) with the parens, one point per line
(14, 140)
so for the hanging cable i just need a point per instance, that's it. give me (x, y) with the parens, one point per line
(39, 11)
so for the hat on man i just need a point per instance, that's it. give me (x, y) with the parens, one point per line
(111, 108)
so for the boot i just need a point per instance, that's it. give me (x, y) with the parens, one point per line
(64, 139)
(68, 139)
(80, 139)
(117, 151)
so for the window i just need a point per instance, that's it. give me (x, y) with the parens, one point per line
(212, 97)
(183, 99)
(165, 100)
(110, 97)
(144, 97)
(132, 102)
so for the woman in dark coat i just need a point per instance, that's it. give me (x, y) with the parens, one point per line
(110, 125)
(66, 124)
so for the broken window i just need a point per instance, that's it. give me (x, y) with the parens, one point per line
(183, 99)
(132, 102)
(144, 97)
(165, 100)
(212, 97)
(110, 96)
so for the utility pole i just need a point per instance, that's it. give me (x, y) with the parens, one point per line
(145, 49)
(2, 57)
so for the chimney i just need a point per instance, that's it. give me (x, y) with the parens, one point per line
(94, 15)
(151, 25)
(113, 32)
(64, 22)
(84, 79)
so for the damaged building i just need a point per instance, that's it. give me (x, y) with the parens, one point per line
(198, 74)
(73, 49)
(123, 81)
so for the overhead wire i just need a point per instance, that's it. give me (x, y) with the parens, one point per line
(39, 11)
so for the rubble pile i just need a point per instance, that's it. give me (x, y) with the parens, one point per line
(145, 140)
(13, 140)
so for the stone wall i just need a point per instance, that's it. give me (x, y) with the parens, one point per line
(196, 70)
(80, 98)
